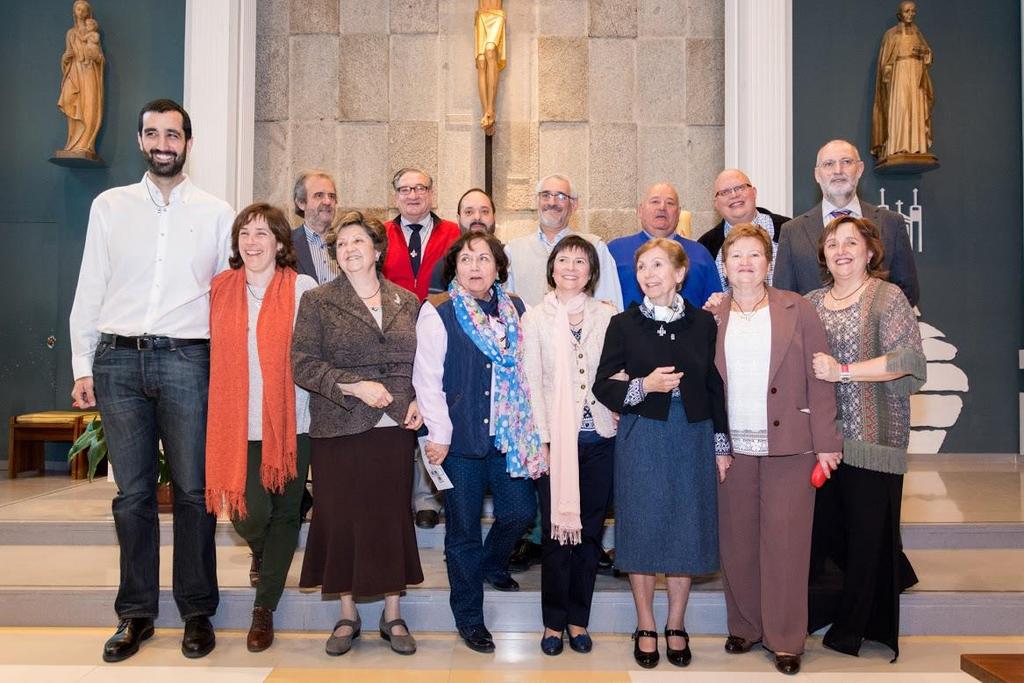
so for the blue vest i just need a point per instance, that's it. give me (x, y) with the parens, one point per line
(467, 387)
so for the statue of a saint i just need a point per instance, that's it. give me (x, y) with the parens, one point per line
(902, 116)
(81, 87)
(490, 57)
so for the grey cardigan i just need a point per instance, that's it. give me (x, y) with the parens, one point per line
(337, 341)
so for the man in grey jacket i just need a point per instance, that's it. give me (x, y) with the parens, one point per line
(838, 170)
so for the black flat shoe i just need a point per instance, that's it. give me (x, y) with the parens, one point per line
(505, 584)
(678, 657)
(581, 643)
(787, 664)
(477, 638)
(126, 639)
(199, 638)
(525, 555)
(735, 645)
(647, 660)
(551, 645)
(427, 519)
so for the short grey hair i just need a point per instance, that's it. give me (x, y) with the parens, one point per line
(410, 169)
(299, 190)
(557, 176)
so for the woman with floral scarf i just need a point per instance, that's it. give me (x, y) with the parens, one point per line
(473, 394)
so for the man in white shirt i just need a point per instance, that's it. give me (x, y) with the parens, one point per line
(316, 202)
(527, 275)
(140, 352)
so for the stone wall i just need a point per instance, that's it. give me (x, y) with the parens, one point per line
(618, 94)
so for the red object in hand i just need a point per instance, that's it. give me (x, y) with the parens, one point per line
(818, 477)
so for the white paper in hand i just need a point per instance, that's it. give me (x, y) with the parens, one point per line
(438, 476)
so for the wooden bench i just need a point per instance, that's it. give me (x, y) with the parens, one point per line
(993, 668)
(28, 434)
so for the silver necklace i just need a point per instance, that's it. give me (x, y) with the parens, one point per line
(749, 315)
(160, 208)
(259, 299)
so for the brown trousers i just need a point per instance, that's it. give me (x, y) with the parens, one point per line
(765, 512)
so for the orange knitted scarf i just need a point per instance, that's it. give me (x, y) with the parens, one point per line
(227, 422)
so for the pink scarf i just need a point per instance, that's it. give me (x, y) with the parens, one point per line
(564, 421)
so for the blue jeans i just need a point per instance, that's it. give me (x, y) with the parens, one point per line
(143, 397)
(469, 559)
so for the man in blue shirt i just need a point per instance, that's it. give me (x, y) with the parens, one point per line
(659, 216)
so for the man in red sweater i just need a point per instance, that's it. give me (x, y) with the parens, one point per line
(417, 237)
(417, 240)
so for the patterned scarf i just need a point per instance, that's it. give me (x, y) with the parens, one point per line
(515, 434)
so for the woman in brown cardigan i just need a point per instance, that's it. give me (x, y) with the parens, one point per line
(781, 422)
(355, 340)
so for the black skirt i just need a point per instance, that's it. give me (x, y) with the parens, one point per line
(361, 539)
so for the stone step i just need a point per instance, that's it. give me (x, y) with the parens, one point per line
(961, 592)
(978, 535)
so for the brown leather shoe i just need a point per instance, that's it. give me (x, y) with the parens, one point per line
(261, 633)
(254, 568)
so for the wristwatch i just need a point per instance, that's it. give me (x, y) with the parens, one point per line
(844, 373)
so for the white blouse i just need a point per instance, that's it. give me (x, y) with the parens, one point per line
(748, 350)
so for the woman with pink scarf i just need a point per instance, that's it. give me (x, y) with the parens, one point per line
(563, 337)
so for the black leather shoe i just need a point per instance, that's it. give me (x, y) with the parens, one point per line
(254, 568)
(678, 657)
(524, 556)
(427, 519)
(647, 660)
(581, 643)
(787, 664)
(505, 584)
(199, 639)
(735, 645)
(477, 638)
(551, 645)
(126, 639)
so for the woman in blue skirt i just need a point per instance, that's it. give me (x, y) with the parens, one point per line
(672, 404)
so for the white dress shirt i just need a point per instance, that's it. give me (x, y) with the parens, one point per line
(146, 268)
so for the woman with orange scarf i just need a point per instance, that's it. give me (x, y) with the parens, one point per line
(256, 464)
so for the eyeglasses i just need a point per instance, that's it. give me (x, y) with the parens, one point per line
(735, 189)
(407, 190)
(548, 196)
(844, 163)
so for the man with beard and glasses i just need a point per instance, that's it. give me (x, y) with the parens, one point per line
(838, 169)
(527, 274)
(140, 331)
(316, 202)
(476, 214)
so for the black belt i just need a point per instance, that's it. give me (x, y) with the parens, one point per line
(148, 343)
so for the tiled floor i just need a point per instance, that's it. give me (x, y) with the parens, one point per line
(442, 657)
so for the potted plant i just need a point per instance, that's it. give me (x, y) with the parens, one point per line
(94, 443)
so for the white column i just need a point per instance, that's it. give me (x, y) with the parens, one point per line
(220, 83)
(759, 97)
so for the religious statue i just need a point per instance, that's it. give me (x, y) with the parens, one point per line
(81, 87)
(902, 116)
(490, 57)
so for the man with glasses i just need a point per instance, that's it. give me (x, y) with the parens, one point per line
(417, 238)
(316, 202)
(417, 241)
(838, 170)
(659, 217)
(735, 199)
(527, 274)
